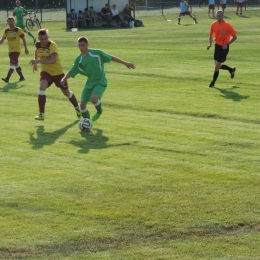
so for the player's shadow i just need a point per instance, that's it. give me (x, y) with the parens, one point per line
(42, 138)
(230, 94)
(94, 140)
(11, 86)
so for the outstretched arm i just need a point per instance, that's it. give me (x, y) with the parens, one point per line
(129, 65)
(63, 80)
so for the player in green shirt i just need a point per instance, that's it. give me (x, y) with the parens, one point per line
(90, 63)
(20, 12)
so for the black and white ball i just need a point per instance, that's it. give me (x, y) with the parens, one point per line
(85, 125)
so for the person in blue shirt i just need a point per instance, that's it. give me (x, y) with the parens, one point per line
(223, 4)
(211, 7)
(184, 6)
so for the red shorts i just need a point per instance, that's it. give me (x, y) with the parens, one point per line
(54, 79)
(240, 4)
(211, 7)
(185, 13)
(14, 57)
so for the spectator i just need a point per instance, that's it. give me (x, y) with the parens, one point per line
(93, 16)
(105, 14)
(240, 4)
(87, 18)
(211, 7)
(73, 18)
(127, 13)
(81, 19)
(115, 15)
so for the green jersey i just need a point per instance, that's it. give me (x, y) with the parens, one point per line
(18, 13)
(92, 66)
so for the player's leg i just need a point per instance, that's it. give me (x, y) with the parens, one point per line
(69, 94)
(237, 9)
(193, 17)
(218, 57)
(18, 67)
(45, 82)
(85, 98)
(29, 33)
(179, 18)
(96, 100)
(13, 61)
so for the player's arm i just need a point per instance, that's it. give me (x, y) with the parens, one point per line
(63, 80)
(210, 41)
(25, 45)
(2, 40)
(129, 65)
(49, 60)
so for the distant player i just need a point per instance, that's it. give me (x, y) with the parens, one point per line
(223, 4)
(184, 6)
(211, 7)
(13, 35)
(19, 12)
(224, 34)
(46, 54)
(240, 4)
(90, 63)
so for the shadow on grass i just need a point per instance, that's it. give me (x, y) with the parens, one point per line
(11, 86)
(139, 236)
(229, 94)
(94, 141)
(47, 138)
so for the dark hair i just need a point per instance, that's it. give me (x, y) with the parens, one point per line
(72, 10)
(80, 11)
(91, 7)
(42, 32)
(83, 39)
(86, 9)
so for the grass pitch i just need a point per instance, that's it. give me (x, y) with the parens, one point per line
(169, 171)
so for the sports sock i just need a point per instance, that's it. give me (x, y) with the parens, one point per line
(73, 99)
(41, 101)
(29, 33)
(85, 113)
(19, 71)
(98, 107)
(215, 76)
(226, 67)
(10, 72)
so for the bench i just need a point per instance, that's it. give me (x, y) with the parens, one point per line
(99, 22)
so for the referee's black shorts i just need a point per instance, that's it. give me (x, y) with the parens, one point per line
(220, 55)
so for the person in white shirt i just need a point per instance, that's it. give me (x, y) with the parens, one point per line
(115, 15)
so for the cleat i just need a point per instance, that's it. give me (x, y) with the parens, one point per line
(40, 117)
(196, 22)
(78, 113)
(232, 74)
(179, 23)
(236, 13)
(211, 85)
(5, 80)
(22, 79)
(96, 117)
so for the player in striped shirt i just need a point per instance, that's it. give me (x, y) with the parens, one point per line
(46, 54)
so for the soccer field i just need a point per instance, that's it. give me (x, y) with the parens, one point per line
(169, 171)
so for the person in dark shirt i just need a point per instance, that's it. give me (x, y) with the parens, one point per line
(105, 14)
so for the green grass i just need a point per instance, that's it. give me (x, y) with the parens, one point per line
(170, 170)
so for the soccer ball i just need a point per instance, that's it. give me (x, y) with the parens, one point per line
(85, 125)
